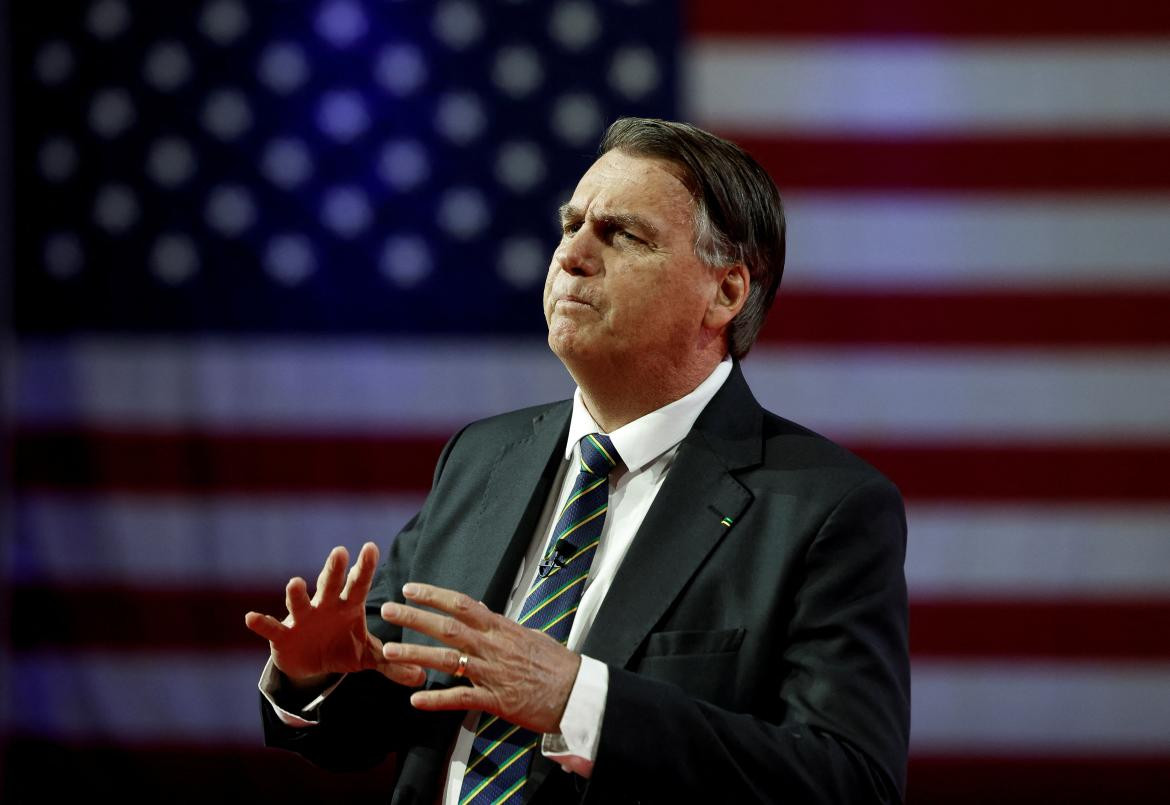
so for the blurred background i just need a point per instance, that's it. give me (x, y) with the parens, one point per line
(260, 259)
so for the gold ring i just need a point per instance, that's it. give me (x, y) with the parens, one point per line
(462, 669)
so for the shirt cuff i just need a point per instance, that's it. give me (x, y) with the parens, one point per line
(575, 748)
(270, 686)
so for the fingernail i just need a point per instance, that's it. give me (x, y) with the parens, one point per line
(390, 610)
(410, 589)
(391, 650)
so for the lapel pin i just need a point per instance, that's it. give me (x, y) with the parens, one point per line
(725, 522)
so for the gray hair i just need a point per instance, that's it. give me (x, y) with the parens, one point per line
(739, 218)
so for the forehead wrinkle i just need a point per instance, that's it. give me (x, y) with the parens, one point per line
(627, 220)
(623, 220)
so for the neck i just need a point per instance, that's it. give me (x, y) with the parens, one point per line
(623, 391)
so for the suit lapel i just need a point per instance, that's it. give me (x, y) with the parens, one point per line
(684, 524)
(513, 498)
(500, 530)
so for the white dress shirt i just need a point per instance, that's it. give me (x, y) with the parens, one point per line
(647, 447)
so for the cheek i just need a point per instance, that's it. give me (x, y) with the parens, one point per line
(650, 292)
(669, 303)
(546, 294)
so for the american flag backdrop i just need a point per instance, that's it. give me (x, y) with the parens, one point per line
(268, 256)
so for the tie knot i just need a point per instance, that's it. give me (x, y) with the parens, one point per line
(598, 456)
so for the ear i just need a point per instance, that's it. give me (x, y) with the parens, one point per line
(730, 295)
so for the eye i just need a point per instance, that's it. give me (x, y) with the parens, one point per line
(570, 227)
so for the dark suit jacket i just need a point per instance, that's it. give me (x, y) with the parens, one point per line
(765, 661)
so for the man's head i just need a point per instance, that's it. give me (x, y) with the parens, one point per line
(673, 247)
(738, 215)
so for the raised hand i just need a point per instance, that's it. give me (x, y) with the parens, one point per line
(519, 674)
(327, 634)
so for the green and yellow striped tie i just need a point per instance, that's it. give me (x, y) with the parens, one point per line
(498, 766)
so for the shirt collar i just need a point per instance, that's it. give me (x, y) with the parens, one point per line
(649, 436)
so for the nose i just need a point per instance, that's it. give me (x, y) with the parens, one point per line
(579, 254)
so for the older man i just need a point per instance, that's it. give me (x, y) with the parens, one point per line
(654, 592)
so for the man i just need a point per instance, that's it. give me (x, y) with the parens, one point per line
(713, 597)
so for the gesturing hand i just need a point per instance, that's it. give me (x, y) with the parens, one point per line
(327, 634)
(519, 674)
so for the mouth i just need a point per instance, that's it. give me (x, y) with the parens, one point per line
(572, 301)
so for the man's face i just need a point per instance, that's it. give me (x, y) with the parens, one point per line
(624, 284)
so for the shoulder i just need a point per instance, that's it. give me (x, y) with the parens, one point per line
(789, 443)
(815, 463)
(471, 456)
(489, 434)
(781, 461)
(777, 453)
(518, 423)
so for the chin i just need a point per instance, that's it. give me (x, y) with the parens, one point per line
(563, 346)
(568, 345)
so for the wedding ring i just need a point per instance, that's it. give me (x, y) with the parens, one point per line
(462, 669)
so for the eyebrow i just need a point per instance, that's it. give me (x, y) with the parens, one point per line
(620, 220)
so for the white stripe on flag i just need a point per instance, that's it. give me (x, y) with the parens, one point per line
(992, 395)
(970, 552)
(989, 396)
(1040, 708)
(977, 241)
(922, 85)
(957, 707)
(127, 540)
(201, 698)
(274, 384)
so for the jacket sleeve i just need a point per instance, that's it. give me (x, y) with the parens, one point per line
(367, 716)
(841, 689)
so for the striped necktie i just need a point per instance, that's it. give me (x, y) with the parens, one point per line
(498, 765)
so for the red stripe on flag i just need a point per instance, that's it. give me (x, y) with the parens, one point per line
(994, 163)
(209, 619)
(1056, 472)
(144, 618)
(39, 770)
(962, 779)
(1041, 630)
(986, 319)
(165, 461)
(295, 463)
(965, 18)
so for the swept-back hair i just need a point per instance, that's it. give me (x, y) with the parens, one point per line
(739, 218)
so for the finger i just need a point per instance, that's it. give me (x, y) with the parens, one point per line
(266, 626)
(460, 697)
(296, 598)
(460, 605)
(444, 629)
(410, 675)
(361, 576)
(441, 659)
(332, 575)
